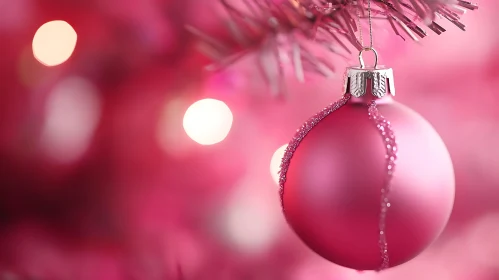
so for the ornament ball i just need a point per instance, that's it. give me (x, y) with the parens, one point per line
(331, 196)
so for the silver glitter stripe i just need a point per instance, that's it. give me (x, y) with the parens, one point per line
(386, 132)
(300, 135)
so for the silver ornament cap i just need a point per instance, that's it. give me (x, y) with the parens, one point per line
(379, 78)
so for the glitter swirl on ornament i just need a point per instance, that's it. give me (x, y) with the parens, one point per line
(300, 135)
(386, 132)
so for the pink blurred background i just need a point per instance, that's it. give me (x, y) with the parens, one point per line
(99, 180)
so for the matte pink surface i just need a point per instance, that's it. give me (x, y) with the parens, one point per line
(332, 192)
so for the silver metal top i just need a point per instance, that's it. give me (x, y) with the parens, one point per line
(380, 77)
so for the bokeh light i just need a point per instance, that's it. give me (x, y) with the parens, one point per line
(169, 132)
(54, 42)
(208, 121)
(482, 240)
(72, 113)
(275, 163)
(250, 225)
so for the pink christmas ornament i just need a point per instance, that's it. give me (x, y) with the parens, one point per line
(345, 160)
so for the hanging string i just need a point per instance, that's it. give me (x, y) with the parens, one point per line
(369, 16)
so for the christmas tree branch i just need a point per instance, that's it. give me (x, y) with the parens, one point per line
(275, 31)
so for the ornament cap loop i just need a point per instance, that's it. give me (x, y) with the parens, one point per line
(377, 80)
(361, 60)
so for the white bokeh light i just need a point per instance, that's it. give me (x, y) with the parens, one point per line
(72, 113)
(251, 223)
(482, 240)
(275, 163)
(169, 132)
(208, 121)
(54, 42)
